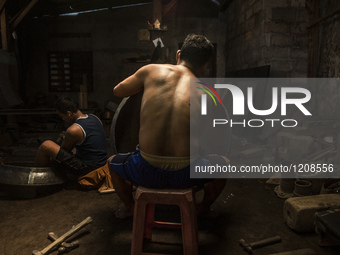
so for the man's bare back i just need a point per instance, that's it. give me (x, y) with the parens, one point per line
(165, 108)
(164, 128)
(165, 111)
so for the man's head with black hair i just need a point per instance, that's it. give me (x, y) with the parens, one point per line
(196, 50)
(65, 104)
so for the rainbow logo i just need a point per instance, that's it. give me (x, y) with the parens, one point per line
(209, 93)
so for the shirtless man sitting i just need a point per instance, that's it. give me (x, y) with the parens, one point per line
(163, 157)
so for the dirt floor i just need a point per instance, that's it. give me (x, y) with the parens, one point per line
(249, 209)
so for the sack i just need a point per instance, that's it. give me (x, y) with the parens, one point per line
(99, 178)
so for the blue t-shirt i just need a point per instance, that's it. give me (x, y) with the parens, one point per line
(93, 148)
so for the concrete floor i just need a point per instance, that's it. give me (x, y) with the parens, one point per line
(249, 209)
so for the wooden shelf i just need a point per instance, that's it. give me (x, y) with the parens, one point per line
(38, 111)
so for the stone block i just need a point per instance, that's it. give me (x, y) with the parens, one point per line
(274, 73)
(275, 52)
(281, 3)
(302, 15)
(337, 157)
(298, 3)
(282, 40)
(300, 146)
(286, 65)
(257, 32)
(283, 138)
(299, 28)
(249, 13)
(299, 74)
(249, 36)
(284, 14)
(299, 212)
(301, 41)
(258, 6)
(301, 65)
(250, 24)
(299, 54)
(252, 153)
(294, 147)
(252, 156)
(273, 27)
(259, 17)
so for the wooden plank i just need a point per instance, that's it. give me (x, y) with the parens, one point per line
(23, 14)
(4, 29)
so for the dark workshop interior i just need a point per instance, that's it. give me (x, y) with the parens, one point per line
(82, 49)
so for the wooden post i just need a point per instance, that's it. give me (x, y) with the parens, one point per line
(313, 40)
(3, 20)
(313, 56)
(157, 10)
(82, 95)
(2, 3)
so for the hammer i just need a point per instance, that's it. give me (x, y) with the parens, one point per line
(64, 247)
(63, 237)
(249, 247)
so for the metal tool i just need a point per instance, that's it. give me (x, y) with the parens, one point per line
(248, 247)
(64, 247)
(63, 237)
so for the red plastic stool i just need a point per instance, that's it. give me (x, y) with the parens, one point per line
(143, 221)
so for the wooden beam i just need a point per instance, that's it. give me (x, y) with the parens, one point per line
(323, 18)
(23, 14)
(2, 3)
(169, 6)
(157, 10)
(3, 20)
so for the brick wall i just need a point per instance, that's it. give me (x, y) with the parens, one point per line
(329, 49)
(327, 101)
(267, 32)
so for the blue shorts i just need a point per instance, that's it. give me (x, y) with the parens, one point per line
(134, 168)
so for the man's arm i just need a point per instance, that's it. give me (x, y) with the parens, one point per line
(74, 135)
(133, 84)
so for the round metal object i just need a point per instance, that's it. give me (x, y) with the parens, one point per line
(302, 188)
(125, 127)
(24, 173)
(23, 180)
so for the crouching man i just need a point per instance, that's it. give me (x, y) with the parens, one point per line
(83, 148)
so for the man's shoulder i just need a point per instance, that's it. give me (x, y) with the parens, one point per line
(93, 117)
(151, 67)
(74, 132)
(74, 128)
(163, 70)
